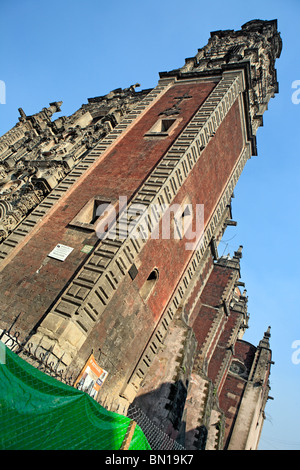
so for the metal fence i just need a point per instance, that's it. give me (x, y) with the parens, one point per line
(157, 439)
(46, 361)
(41, 358)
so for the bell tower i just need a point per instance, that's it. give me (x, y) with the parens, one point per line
(119, 248)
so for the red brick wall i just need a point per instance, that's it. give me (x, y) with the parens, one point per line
(210, 299)
(127, 322)
(120, 173)
(245, 353)
(220, 353)
(233, 388)
(229, 400)
(190, 308)
(204, 186)
(215, 286)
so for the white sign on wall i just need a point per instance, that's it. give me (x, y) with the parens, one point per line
(60, 252)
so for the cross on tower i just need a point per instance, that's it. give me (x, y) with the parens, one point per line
(175, 108)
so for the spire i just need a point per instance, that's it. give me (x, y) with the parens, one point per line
(238, 253)
(264, 343)
(255, 48)
(232, 262)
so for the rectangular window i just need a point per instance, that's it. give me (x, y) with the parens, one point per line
(162, 128)
(90, 213)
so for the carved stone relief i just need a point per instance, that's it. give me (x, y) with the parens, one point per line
(38, 153)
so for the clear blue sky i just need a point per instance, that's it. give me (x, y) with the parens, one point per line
(72, 50)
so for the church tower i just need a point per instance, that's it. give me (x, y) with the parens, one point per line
(110, 225)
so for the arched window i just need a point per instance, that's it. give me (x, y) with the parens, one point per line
(148, 286)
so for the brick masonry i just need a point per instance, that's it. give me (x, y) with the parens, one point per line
(120, 173)
(181, 345)
(127, 317)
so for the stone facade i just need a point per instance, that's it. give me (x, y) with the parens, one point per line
(38, 152)
(163, 315)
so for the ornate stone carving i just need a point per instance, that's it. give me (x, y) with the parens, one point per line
(38, 153)
(254, 47)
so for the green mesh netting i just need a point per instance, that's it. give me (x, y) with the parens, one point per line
(37, 412)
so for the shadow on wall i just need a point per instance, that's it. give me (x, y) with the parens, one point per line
(161, 414)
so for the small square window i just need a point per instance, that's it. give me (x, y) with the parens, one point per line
(163, 127)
